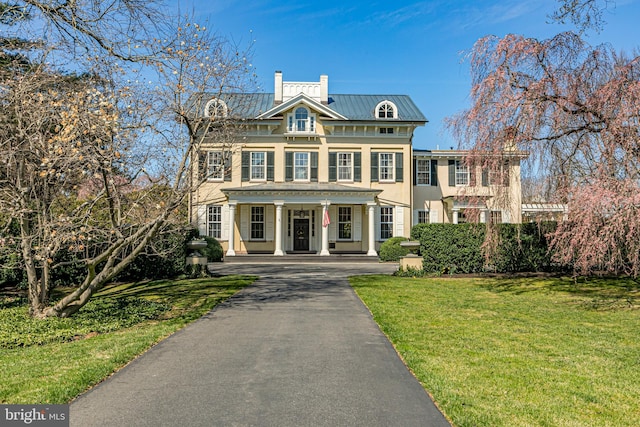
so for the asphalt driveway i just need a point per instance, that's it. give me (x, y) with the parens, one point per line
(297, 348)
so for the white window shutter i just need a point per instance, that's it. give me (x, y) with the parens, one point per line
(269, 220)
(357, 223)
(244, 222)
(415, 216)
(506, 217)
(225, 223)
(333, 227)
(433, 216)
(398, 219)
(202, 220)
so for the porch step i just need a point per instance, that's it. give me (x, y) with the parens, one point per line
(300, 259)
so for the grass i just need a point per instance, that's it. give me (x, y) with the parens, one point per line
(517, 352)
(55, 360)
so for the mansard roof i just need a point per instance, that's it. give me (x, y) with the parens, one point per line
(340, 106)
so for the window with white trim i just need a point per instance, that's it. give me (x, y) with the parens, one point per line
(386, 223)
(386, 110)
(344, 223)
(216, 108)
(300, 166)
(258, 171)
(214, 221)
(301, 121)
(423, 172)
(386, 166)
(345, 166)
(215, 165)
(496, 217)
(462, 173)
(423, 217)
(257, 222)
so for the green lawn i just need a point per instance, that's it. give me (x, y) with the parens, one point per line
(54, 360)
(517, 352)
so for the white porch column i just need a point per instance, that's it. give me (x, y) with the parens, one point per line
(455, 216)
(372, 230)
(278, 251)
(232, 229)
(325, 230)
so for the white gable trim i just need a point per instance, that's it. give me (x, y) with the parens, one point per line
(301, 99)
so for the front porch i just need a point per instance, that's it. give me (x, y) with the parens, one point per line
(312, 219)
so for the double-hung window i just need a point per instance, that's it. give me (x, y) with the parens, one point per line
(386, 223)
(258, 166)
(386, 166)
(345, 166)
(214, 221)
(300, 166)
(462, 173)
(257, 222)
(344, 223)
(215, 166)
(423, 217)
(423, 172)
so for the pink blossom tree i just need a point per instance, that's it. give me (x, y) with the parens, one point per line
(575, 109)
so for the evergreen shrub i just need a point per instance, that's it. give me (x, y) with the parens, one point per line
(460, 248)
(390, 250)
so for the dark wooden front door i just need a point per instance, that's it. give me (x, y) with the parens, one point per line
(300, 235)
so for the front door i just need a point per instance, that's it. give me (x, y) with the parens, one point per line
(300, 234)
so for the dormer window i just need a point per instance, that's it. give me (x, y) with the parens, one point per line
(386, 110)
(301, 121)
(216, 108)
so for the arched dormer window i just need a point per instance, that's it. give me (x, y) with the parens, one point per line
(301, 121)
(386, 110)
(216, 108)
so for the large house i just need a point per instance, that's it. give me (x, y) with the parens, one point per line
(315, 172)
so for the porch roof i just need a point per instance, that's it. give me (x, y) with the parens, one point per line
(301, 193)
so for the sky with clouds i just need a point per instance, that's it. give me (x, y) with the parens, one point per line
(400, 47)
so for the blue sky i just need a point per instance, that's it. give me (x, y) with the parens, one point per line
(397, 47)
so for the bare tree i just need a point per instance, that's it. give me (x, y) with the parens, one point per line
(96, 164)
(584, 14)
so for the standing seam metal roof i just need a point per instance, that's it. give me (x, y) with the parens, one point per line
(354, 107)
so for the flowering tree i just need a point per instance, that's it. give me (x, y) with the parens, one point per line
(575, 109)
(96, 163)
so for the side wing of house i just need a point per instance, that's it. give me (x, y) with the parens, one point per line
(447, 190)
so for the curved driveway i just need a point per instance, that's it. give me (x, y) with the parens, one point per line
(297, 348)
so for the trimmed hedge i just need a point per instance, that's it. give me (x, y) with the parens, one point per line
(460, 248)
(390, 250)
(450, 248)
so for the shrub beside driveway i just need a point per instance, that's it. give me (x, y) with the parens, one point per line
(516, 352)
